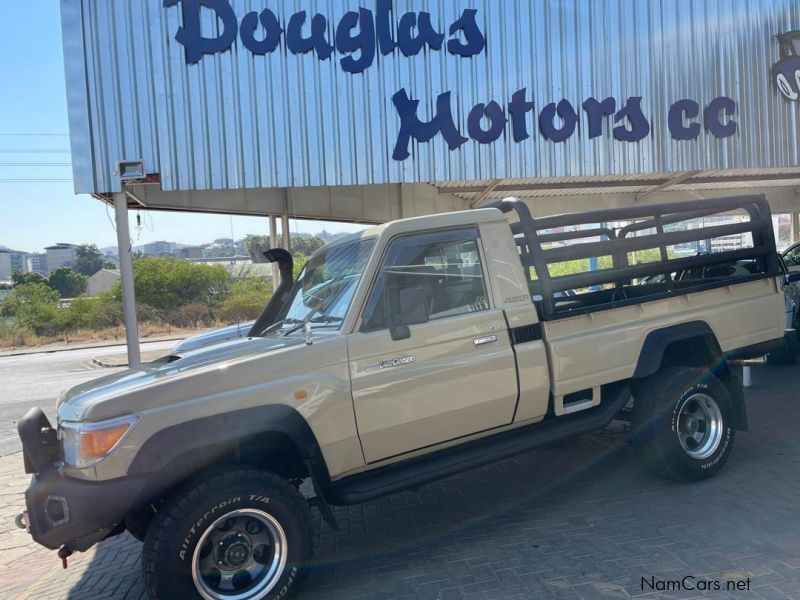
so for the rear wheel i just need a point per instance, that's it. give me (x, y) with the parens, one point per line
(242, 535)
(683, 418)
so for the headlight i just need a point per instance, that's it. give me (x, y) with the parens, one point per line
(84, 444)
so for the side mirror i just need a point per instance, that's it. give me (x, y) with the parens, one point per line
(411, 310)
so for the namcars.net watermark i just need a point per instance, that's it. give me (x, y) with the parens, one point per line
(690, 583)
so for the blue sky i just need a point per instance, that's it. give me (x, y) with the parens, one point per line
(37, 203)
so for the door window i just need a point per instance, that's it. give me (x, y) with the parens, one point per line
(792, 257)
(442, 269)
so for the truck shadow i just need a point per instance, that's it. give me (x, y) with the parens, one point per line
(579, 515)
(409, 525)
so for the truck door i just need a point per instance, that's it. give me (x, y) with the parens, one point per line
(432, 360)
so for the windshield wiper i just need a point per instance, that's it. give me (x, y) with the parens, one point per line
(326, 319)
(281, 323)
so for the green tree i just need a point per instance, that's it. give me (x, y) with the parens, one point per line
(67, 282)
(300, 261)
(307, 244)
(20, 278)
(78, 312)
(33, 305)
(168, 283)
(105, 311)
(246, 301)
(88, 259)
(256, 245)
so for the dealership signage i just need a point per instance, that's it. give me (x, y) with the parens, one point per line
(358, 38)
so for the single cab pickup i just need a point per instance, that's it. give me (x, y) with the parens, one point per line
(406, 353)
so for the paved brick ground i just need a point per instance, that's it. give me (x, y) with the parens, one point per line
(578, 520)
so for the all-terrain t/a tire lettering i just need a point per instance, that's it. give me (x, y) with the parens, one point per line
(683, 419)
(244, 533)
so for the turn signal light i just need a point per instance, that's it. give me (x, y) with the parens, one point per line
(98, 443)
(84, 444)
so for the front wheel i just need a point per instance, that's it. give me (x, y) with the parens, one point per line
(240, 535)
(683, 420)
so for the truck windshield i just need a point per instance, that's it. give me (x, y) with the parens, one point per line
(322, 293)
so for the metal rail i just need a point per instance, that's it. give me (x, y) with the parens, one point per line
(620, 243)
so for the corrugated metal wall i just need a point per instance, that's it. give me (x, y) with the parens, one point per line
(238, 121)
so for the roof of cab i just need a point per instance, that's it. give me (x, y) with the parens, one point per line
(437, 221)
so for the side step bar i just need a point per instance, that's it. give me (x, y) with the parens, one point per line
(450, 461)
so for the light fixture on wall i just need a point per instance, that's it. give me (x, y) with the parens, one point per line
(131, 170)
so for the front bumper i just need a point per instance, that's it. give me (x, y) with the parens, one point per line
(64, 511)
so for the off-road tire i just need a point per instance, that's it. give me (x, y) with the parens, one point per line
(176, 529)
(658, 403)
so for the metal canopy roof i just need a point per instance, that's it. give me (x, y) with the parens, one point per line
(621, 184)
(381, 203)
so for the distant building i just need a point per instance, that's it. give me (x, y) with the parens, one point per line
(190, 253)
(60, 255)
(223, 260)
(239, 267)
(158, 249)
(36, 263)
(5, 265)
(11, 261)
(220, 247)
(248, 270)
(112, 258)
(102, 281)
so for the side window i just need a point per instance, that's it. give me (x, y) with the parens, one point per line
(792, 258)
(442, 269)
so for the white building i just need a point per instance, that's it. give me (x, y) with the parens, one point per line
(11, 261)
(158, 249)
(5, 265)
(36, 263)
(60, 255)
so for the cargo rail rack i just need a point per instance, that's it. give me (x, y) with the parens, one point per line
(532, 234)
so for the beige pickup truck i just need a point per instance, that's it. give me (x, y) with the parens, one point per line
(406, 353)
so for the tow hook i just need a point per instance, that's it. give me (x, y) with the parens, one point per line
(64, 553)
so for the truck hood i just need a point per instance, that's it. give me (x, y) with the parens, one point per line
(75, 403)
(215, 336)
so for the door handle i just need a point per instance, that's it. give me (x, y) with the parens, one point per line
(486, 339)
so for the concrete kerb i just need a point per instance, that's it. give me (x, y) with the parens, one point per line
(121, 360)
(110, 344)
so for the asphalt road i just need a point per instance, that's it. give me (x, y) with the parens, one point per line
(37, 379)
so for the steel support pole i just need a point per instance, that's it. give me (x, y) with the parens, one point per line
(287, 242)
(273, 243)
(126, 273)
(795, 217)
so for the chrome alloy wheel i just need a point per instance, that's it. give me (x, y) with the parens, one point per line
(700, 426)
(241, 556)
